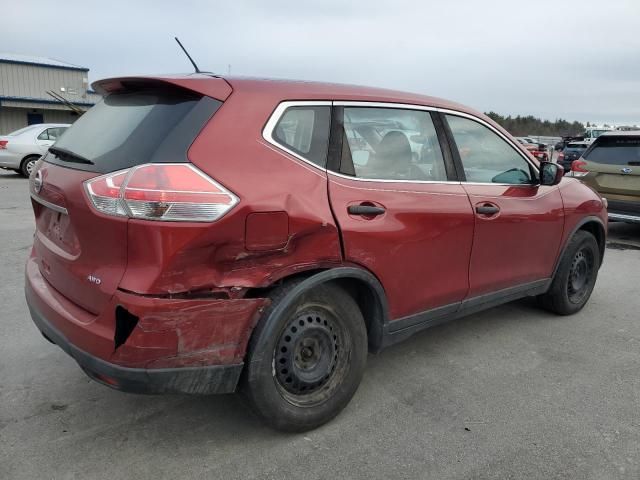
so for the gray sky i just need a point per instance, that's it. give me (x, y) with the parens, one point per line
(578, 60)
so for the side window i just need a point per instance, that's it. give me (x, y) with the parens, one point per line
(391, 144)
(305, 131)
(485, 156)
(54, 133)
(44, 135)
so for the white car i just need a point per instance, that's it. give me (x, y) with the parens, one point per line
(20, 150)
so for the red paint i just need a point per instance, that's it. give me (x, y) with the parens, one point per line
(187, 281)
(266, 231)
(419, 249)
(170, 332)
(520, 243)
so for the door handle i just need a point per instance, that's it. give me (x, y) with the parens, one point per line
(487, 209)
(370, 210)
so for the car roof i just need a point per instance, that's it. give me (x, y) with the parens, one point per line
(280, 90)
(50, 125)
(286, 89)
(621, 133)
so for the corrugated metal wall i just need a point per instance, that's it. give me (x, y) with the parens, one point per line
(12, 119)
(23, 81)
(32, 81)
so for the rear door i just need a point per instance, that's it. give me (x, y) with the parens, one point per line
(402, 214)
(613, 166)
(83, 253)
(518, 223)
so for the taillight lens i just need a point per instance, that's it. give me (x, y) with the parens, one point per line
(168, 192)
(3, 144)
(577, 168)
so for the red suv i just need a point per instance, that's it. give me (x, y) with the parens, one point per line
(201, 234)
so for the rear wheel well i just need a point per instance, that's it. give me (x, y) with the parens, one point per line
(369, 303)
(597, 230)
(364, 294)
(27, 157)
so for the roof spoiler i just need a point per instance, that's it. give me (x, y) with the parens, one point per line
(210, 86)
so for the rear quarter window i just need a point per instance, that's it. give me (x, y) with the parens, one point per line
(304, 130)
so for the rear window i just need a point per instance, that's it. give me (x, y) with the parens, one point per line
(131, 128)
(576, 146)
(615, 151)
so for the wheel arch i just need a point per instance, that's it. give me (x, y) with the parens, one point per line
(362, 285)
(26, 158)
(591, 224)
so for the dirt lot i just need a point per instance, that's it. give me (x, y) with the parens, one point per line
(513, 392)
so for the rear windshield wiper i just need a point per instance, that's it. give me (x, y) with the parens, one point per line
(69, 156)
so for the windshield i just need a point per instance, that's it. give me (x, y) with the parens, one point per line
(615, 151)
(594, 133)
(576, 146)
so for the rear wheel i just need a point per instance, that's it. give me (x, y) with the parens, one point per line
(305, 364)
(576, 276)
(28, 164)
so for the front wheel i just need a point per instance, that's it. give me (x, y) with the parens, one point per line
(305, 364)
(576, 276)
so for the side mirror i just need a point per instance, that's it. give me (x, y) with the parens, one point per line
(550, 173)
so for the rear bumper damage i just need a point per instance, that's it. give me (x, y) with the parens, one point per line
(157, 345)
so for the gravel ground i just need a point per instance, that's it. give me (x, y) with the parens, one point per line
(513, 392)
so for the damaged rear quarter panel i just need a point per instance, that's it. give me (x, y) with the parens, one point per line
(177, 257)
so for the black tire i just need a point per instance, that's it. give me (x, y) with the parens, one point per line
(306, 357)
(27, 165)
(576, 276)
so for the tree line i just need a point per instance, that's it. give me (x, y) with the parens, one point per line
(520, 126)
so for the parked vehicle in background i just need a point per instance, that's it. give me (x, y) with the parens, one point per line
(20, 150)
(567, 140)
(187, 251)
(591, 133)
(534, 149)
(573, 151)
(611, 166)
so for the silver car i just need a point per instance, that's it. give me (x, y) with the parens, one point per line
(21, 149)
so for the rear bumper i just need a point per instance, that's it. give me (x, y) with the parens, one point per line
(177, 346)
(623, 210)
(623, 217)
(9, 159)
(201, 380)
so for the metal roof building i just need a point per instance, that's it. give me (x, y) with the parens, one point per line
(24, 83)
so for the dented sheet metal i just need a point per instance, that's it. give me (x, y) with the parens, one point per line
(188, 332)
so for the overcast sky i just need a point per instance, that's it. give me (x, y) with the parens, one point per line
(578, 60)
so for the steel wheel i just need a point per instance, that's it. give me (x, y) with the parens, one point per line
(310, 357)
(580, 275)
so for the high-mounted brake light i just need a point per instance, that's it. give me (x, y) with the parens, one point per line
(176, 192)
(3, 144)
(577, 168)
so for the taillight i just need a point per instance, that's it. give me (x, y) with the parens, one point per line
(3, 144)
(577, 168)
(176, 192)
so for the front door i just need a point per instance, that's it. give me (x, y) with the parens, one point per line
(400, 211)
(518, 223)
